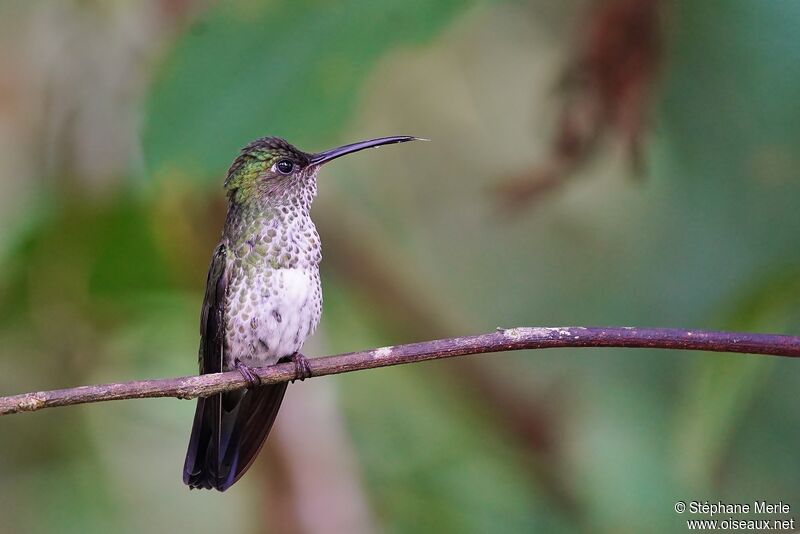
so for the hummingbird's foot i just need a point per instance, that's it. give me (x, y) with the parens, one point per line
(253, 380)
(301, 368)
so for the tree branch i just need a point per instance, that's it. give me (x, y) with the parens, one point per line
(189, 387)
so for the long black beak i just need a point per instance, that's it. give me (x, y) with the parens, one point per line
(328, 155)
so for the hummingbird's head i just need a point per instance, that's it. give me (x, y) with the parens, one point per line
(271, 168)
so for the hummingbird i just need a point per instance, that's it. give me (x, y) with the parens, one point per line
(263, 299)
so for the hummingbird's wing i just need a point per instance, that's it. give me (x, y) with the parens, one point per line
(212, 318)
(230, 428)
(204, 441)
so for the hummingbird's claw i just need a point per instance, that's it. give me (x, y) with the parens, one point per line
(253, 380)
(301, 368)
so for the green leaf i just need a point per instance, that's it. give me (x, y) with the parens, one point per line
(287, 68)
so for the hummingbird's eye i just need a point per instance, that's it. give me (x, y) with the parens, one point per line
(284, 166)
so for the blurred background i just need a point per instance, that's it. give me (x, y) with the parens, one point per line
(608, 162)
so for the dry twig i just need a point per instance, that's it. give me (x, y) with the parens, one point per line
(502, 340)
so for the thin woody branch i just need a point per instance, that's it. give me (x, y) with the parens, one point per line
(189, 387)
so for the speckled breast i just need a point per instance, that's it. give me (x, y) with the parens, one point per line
(274, 297)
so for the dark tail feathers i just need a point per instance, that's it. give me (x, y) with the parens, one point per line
(229, 430)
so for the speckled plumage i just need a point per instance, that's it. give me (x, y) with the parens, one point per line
(263, 300)
(274, 298)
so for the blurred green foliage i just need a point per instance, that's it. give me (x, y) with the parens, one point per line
(108, 287)
(293, 68)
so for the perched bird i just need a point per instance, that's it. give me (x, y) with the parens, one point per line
(263, 299)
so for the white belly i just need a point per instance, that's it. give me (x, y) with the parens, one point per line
(282, 309)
